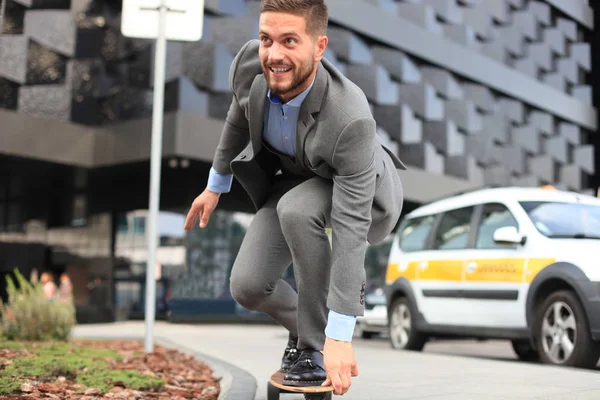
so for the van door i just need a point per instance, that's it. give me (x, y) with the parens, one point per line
(494, 288)
(440, 269)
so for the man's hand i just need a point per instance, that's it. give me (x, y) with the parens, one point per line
(202, 207)
(340, 365)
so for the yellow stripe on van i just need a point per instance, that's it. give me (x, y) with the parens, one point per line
(441, 270)
(502, 270)
(535, 265)
(393, 272)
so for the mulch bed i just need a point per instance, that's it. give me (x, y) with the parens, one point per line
(185, 376)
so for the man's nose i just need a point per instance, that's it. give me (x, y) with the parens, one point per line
(276, 53)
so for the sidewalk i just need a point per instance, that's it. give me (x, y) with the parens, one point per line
(384, 374)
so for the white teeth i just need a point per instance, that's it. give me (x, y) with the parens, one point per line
(280, 70)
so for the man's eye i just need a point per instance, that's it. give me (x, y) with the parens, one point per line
(265, 40)
(291, 41)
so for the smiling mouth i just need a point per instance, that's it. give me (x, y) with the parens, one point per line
(280, 70)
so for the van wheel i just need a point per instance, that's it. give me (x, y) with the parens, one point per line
(402, 329)
(524, 351)
(562, 333)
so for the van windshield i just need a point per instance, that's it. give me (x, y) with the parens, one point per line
(564, 220)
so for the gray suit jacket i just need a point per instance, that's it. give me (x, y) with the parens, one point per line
(336, 139)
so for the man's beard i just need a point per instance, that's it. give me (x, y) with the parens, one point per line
(299, 77)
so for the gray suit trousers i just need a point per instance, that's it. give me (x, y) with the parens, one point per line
(290, 227)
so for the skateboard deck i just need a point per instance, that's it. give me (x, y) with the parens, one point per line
(277, 381)
(276, 387)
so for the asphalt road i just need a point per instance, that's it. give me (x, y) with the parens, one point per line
(445, 370)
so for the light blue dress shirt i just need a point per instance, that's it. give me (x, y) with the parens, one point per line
(279, 131)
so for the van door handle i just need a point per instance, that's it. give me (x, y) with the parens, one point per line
(471, 267)
(424, 265)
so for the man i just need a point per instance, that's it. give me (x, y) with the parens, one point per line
(301, 140)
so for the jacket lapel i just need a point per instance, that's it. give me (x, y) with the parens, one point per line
(310, 106)
(256, 111)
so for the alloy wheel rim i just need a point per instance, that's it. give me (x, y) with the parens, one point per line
(400, 326)
(559, 332)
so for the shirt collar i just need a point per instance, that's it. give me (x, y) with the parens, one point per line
(296, 101)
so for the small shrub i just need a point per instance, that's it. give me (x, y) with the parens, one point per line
(29, 315)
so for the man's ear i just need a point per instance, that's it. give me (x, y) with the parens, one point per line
(321, 46)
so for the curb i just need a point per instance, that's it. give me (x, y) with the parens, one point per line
(235, 384)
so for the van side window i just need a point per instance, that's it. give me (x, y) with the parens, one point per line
(454, 228)
(415, 232)
(494, 216)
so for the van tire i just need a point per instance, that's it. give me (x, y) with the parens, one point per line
(399, 313)
(585, 351)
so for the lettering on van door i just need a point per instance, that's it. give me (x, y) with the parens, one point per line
(495, 270)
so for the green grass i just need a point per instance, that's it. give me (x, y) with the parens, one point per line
(84, 365)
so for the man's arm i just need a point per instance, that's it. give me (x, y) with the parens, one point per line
(236, 132)
(353, 192)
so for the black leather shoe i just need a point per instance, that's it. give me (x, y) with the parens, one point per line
(291, 353)
(308, 370)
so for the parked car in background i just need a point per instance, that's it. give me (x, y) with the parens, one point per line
(375, 319)
(513, 263)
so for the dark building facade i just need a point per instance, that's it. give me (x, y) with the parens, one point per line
(469, 93)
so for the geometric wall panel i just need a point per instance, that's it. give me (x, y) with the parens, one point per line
(375, 81)
(421, 14)
(584, 157)
(9, 94)
(399, 122)
(445, 136)
(464, 114)
(46, 102)
(570, 175)
(423, 155)
(13, 58)
(443, 82)
(446, 10)
(422, 98)
(526, 137)
(557, 147)
(542, 167)
(213, 72)
(464, 167)
(348, 46)
(462, 34)
(400, 66)
(496, 175)
(52, 29)
(567, 27)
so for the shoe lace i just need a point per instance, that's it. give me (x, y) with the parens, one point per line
(291, 352)
(308, 361)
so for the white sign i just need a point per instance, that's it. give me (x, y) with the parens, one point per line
(139, 19)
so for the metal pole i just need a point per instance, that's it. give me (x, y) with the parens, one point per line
(155, 164)
(2, 12)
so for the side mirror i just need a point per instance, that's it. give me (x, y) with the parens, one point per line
(508, 234)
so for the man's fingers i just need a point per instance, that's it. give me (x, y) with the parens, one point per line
(354, 369)
(327, 382)
(336, 382)
(204, 216)
(346, 382)
(191, 217)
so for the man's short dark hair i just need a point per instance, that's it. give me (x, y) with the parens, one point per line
(314, 11)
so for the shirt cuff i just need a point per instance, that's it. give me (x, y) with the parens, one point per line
(219, 183)
(340, 327)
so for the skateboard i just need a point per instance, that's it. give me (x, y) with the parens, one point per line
(275, 387)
